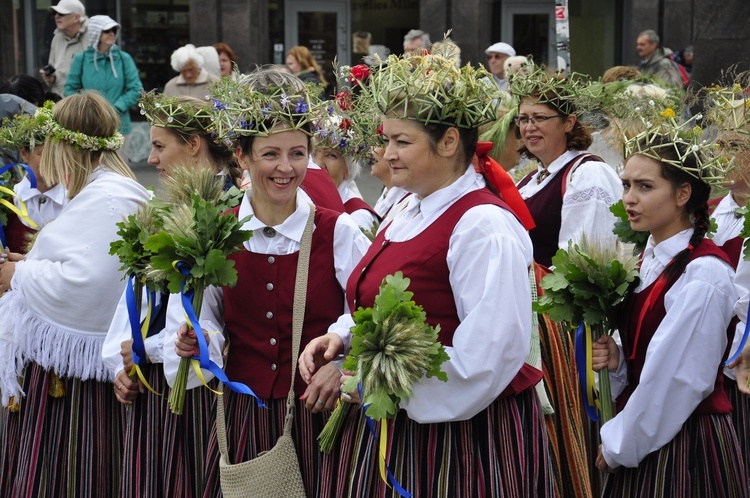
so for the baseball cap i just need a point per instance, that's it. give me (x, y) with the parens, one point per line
(65, 7)
(501, 48)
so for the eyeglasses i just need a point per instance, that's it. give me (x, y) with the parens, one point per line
(111, 30)
(497, 56)
(535, 120)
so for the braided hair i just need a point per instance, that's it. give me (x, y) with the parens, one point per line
(697, 206)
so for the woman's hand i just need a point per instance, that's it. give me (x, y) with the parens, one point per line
(605, 353)
(186, 345)
(8, 255)
(7, 269)
(323, 390)
(126, 390)
(601, 463)
(742, 369)
(348, 396)
(317, 353)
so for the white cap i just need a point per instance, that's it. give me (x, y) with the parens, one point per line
(65, 7)
(501, 48)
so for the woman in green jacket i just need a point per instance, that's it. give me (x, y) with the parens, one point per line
(107, 69)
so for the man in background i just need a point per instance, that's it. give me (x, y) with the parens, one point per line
(69, 39)
(416, 40)
(496, 56)
(656, 60)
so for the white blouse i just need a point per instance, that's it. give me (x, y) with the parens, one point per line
(682, 358)
(42, 207)
(592, 188)
(349, 245)
(362, 217)
(488, 257)
(387, 199)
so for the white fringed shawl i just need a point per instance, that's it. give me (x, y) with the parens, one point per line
(66, 291)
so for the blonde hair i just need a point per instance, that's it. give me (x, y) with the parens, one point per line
(87, 112)
(306, 61)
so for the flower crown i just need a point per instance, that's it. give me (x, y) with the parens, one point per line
(24, 130)
(156, 106)
(55, 131)
(239, 110)
(728, 108)
(432, 89)
(686, 139)
(348, 123)
(552, 89)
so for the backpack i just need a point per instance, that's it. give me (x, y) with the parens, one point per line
(683, 72)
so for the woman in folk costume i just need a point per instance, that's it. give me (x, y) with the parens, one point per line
(482, 433)
(64, 439)
(164, 453)
(569, 195)
(269, 114)
(673, 433)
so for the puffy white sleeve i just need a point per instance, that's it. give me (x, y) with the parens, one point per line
(349, 246)
(212, 321)
(742, 284)
(593, 187)
(488, 258)
(681, 364)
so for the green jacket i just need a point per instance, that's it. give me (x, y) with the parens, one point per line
(113, 74)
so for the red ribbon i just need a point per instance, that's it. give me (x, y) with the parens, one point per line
(503, 183)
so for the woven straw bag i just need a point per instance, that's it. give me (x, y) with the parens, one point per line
(274, 473)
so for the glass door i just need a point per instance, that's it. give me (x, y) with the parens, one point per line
(321, 26)
(530, 28)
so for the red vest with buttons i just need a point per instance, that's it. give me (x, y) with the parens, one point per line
(424, 260)
(258, 311)
(716, 402)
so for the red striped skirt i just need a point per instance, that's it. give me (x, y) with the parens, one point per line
(251, 430)
(68, 446)
(500, 452)
(703, 460)
(740, 420)
(164, 453)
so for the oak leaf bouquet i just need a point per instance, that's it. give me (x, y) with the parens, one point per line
(586, 290)
(190, 252)
(392, 349)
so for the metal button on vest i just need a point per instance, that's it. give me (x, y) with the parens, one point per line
(273, 367)
(273, 341)
(269, 315)
(269, 232)
(271, 259)
(269, 286)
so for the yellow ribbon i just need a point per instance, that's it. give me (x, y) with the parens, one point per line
(136, 370)
(22, 213)
(197, 364)
(383, 449)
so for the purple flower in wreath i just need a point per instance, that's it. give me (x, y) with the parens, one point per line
(285, 101)
(218, 106)
(265, 110)
(301, 106)
(330, 110)
(342, 144)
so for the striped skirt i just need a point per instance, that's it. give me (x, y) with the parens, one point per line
(164, 454)
(62, 446)
(500, 452)
(703, 460)
(740, 420)
(251, 430)
(572, 465)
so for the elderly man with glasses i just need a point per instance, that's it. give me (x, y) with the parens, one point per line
(496, 55)
(69, 39)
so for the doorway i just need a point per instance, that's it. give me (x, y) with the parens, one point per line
(530, 27)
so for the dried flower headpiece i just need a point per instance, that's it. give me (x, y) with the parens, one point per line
(238, 109)
(55, 131)
(728, 107)
(348, 123)
(431, 88)
(552, 89)
(171, 112)
(24, 130)
(673, 143)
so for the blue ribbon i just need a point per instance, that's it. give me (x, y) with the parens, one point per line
(371, 425)
(203, 357)
(32, 180)
(580, 354)
(742, 342)
(139, 347)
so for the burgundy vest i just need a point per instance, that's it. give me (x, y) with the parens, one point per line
(319, 186)
(546, 210)
(15, 234)
(424, 260)
(258, 311)
(355, 204)
(717, 402)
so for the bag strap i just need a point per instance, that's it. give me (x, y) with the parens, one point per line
(298, 318)
(568, 173)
